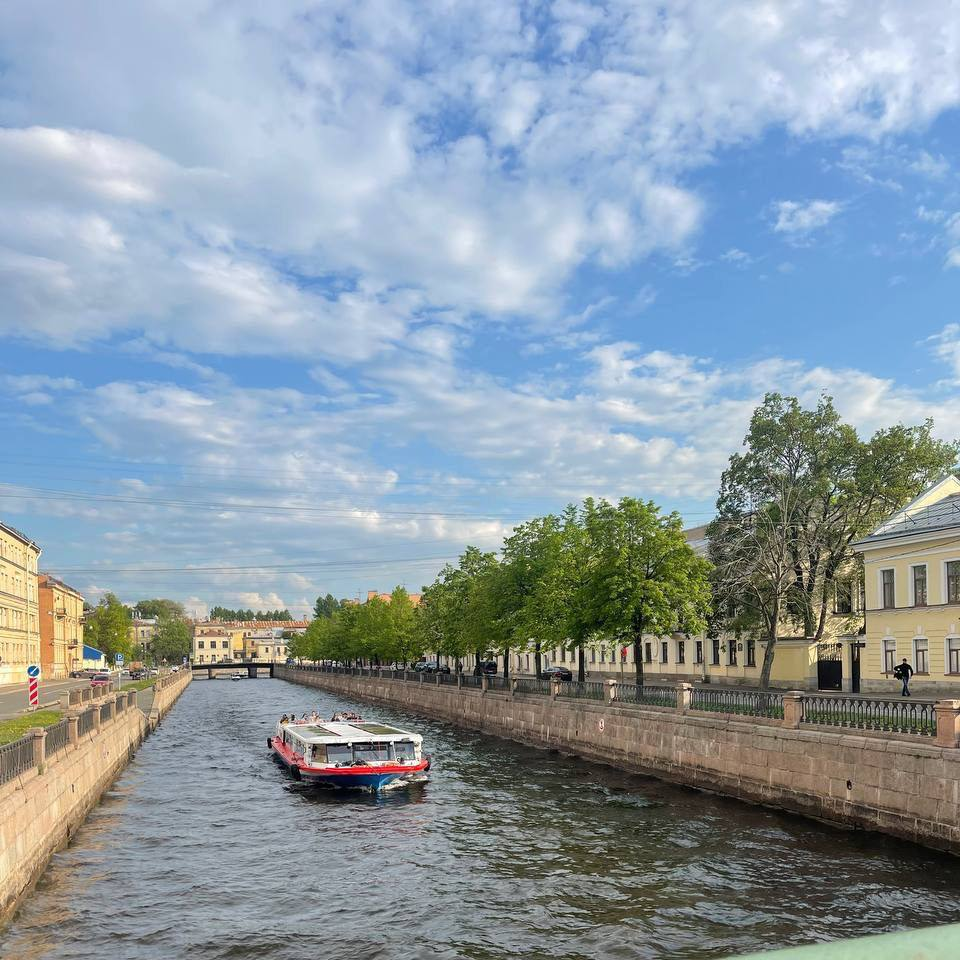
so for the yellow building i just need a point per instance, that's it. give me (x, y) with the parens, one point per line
(61, 627)
(912, 578)
(141, 633)
(19, 611)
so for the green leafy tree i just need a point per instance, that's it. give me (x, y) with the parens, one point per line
(792, 504)
(646, 578)
(159, 608)
(172, 640)
(106, 627)
(326, 606)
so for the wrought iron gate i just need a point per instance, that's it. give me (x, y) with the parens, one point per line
(829, 666)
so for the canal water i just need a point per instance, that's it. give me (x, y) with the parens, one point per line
(205, 849)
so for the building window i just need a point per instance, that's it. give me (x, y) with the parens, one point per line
(953, 581)
(889, 654)
(887, 597)
(199, 644)
(681, 651)
(919, 585)
(225, 644)
(593, 656)
(843, 597)
(953, 654)
(751, 653)
(716, 652)
(648, 652)
(664, 652)
(563, 655)
(698, 651)
(732, 654)
(921, 659)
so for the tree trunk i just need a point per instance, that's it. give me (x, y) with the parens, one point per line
(822, 622)
(581, 664)
(506, 663)
(768, 655)
(638, 659)
(537, 658)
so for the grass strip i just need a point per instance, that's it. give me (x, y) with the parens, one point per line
(16, 727)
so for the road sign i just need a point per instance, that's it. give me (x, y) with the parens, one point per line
(33, 686)
(119, 658)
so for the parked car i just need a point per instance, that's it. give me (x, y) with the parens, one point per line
(555, 672)
(136, 674)
(431, 666)
(176, 668)
(290, 661)
(100, 679)
(488, 666)
(81, 674)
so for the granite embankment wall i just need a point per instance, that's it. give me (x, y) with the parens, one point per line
(906, 787)
(42, 808)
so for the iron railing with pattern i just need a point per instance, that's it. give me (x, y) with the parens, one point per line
(497, 683)
(588, 689)
(106, 712)
(532, 685)
(447, 678)
(16, 758)
(58, 738)
(87, 721)
(916, 717)
(472, 680)
(744, 703)
(646, 695)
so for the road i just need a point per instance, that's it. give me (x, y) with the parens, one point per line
(13, 697)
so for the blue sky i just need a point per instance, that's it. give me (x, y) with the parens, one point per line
(306, 298)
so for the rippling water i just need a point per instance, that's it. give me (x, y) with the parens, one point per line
(206, 849)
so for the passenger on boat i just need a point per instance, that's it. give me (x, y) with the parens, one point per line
(284, 719)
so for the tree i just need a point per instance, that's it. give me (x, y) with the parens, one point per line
(160, 608)
(172, 640)
(790, 507)
(646, 578)
(106, 627)
(326, 606)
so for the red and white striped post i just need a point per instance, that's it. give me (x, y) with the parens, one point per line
(33, 686)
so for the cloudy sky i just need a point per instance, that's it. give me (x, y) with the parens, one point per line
(298, 297)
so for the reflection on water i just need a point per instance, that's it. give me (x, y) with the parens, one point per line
(205, 848)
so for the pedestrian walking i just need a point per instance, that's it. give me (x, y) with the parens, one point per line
(903, 673)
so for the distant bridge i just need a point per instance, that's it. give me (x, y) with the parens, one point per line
(250, 666)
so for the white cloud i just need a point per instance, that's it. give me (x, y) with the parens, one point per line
(797, 219)
(946, 344)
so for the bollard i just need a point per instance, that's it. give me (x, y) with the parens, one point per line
(611, 691)
(39, 747)
(948, 723)
(484, 683)
(792, 709)
(684, 696)
(73, 729)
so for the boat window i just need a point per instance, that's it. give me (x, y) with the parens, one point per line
(339, 752)
(371, 751)
(319, 754)
(406, 749)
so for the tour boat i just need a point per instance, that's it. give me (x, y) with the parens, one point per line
(347, 752)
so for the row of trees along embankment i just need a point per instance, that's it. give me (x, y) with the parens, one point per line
(805, 487)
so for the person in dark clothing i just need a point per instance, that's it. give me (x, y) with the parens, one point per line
(903, 673)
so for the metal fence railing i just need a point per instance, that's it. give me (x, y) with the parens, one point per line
(106, 712)
(588, 689)
(58, 738)
(472, 680)
(745, 703)
(497, 683)
(532, 685)
(916, 717)
(450, 678)
(646, 696)
(87, 722)
(16, 758)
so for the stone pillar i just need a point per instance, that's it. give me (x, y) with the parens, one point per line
(611, 691)
(73, 728)
(513, 686)
(75, 697)
(96, 718)
(554, 688)
(684, 696)
(792, 708)
(39, 747)
(484, 683)
(420, 676)
(459, 681)
(131, 698)
(948, 723)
